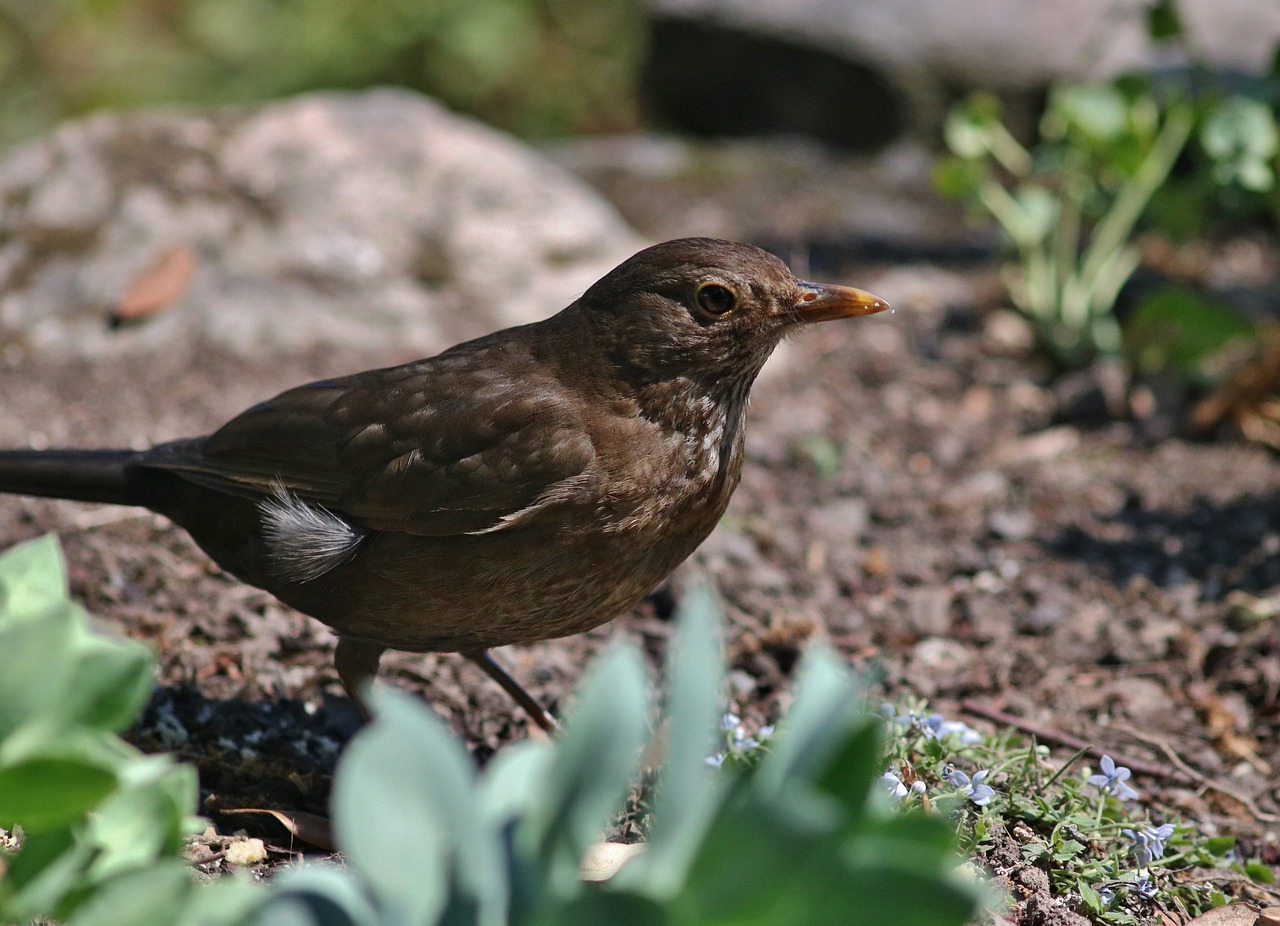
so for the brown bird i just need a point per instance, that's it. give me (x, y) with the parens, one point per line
(526, 485)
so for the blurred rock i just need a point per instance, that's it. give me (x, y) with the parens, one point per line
(711, 78)
(853, 74)
(373, 220)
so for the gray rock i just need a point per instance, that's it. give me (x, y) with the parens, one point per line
(1000, 42)
(373, 220)
(856, 74)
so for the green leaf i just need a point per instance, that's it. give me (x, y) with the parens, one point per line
(113, 681)
(1163, 21)
(35, 664)
(758, 866)
(1038, 211)
(33, 580)
(1259, 872)
(515, 781)
(1219, 845)
(968, 128)
(1179, 330)
(318, 895)
(825, 709)
(686, 799)
(1091, 898)
(46, 793)
(611, 908)
(959, 178)
(1241, 136)
(1099, 111)
(594, 762)
(232, 901)
(853, 768)
(407, 815)
(42, 874)
(145, 818)
(153, 896)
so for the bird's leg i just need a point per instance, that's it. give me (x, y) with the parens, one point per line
(357, 664)
(537, 713)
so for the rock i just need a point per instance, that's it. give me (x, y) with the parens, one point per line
(373, 220)
(712, 78)
(999, 41)
(853, 74)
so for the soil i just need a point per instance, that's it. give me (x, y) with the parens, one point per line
(919, 490)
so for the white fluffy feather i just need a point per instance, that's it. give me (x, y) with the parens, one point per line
(306, 541)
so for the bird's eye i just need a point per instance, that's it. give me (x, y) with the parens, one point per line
(715, 299)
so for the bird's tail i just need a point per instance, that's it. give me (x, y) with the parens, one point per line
(81, 475)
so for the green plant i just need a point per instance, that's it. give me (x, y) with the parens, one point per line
(801, 836)
(1228, 175)
(1102, 161)
(1104, 853)
(101, 823)
(532, 67)
(1068, 205)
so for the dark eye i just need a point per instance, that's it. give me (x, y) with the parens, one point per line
(715, 299)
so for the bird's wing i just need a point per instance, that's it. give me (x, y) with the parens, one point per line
(445, 446)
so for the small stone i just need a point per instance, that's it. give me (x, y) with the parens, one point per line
(246, 852)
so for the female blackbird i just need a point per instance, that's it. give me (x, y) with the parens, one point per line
(526, 485)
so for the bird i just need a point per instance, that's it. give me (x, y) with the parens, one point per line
(530, 484)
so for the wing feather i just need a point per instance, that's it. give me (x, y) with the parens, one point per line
(444, 446)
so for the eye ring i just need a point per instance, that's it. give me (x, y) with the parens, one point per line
(716, 299)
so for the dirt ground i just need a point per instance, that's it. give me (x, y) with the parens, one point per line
(918, 490)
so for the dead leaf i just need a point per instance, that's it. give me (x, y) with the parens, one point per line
(603, 859)
(1232, 914)
(1247, 395)
(309, 827)
(157, 287)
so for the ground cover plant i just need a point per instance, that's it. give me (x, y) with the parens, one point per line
(798, 834)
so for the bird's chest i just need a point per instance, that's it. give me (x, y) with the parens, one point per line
(675, 493)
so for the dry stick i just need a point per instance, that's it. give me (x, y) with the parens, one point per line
(1205, 783)
(1049, 735)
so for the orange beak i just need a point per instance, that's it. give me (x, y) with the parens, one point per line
(822, 302)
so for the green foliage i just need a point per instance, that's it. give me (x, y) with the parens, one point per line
(1101, 162)
(1060, 819)
(802, 836)
(1178, 330)
(1228, 173)
(100, 822)
(533, 67)
(1069, 204)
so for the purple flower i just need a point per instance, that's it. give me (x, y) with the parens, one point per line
(938, 727)
(1113, 780)
(973, 788)
(894, 785)
(1148, 843)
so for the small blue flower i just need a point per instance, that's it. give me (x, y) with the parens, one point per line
(1112, 780)
(897, 723)
(1145, 887)
(893, 784)
(1148, 843)
(735, 734)
(973, 788)
(938, 727)
(716, 759)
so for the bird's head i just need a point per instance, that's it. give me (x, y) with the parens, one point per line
(705, 309)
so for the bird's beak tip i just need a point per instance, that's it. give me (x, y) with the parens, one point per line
(821, 302)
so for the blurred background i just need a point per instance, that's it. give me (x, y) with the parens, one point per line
(851, 72)
(537, 68)
(1100, 153)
